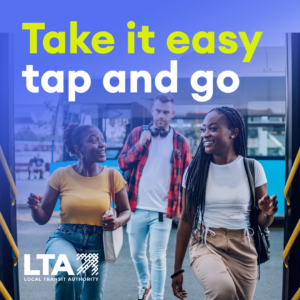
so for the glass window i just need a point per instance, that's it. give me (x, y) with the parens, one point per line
(266, 136)
(190, 128)
(115, 131)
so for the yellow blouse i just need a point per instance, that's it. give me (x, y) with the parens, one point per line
(83, 200)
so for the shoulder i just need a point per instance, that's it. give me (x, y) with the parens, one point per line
(260, 175)
(134, 134)
(60, 171)
(258, 166)
(120, 182)
(138, 129)
(117, 174)
(186, 171)
(180, 138)
(57, 178)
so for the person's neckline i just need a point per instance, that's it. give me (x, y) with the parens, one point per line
(227, 165)
(104, 168)
(152, 126)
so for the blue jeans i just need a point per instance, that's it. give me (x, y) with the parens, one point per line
(142, 223)
(71, 239)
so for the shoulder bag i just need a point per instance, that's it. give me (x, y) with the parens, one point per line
(261, 235)
(112, 240)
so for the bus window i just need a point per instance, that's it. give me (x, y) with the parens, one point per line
(266, 136)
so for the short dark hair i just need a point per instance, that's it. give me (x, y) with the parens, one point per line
(164, 98)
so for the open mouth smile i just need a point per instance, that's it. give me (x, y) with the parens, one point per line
(208, 143)
(100, 153)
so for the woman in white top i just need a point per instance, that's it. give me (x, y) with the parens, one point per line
(216, 200)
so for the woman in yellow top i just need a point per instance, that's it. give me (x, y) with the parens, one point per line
(83, 191)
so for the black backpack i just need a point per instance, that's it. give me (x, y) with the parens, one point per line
(261, 235)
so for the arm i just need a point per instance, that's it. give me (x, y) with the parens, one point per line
(133, 148)
(42, 207)
(123, 209)
(267, 205)
(182, 241)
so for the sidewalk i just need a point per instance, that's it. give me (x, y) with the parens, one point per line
(121, 278)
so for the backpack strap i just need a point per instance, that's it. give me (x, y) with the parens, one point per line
(249, 167)
(111, 181)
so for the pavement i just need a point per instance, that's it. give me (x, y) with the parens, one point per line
(25, 187)
(121, 278)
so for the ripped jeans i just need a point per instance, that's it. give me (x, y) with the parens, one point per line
(72, 239)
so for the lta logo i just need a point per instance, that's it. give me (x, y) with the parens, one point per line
(62, 264)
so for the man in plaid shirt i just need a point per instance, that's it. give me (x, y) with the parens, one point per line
(157, 156)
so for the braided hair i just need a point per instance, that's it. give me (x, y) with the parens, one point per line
(73, 135)
(198, 170)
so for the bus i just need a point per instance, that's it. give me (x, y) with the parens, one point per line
(260, 98)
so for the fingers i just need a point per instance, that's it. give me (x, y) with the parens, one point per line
(177, 287)
(33, 196)
(148, 134)
(33, 205)
(109, 223)
(273, 198)
(181, 294)
(176, 291)
(273, 206)
(108, 217)
(263, 200)
(268, 204)
(34, 201)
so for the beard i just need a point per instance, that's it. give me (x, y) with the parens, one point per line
(160, 124)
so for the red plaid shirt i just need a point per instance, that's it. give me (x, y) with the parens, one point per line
(134, 157)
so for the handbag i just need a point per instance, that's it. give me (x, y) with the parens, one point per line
(112, 240)
(261, 235)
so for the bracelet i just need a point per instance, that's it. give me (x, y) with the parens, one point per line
(266, 215)
(177, 273)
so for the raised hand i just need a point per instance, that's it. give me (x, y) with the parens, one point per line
(34, 201)
(268, 205)
(145, 136)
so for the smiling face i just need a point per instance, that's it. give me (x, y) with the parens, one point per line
(216, 134)
(93, 146)
(162, 114)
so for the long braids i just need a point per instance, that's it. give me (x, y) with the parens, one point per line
(197, 173)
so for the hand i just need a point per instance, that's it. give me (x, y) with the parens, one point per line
(177, 287)
(177, 218)
(34, 201)
(145, 136)
(110, 223)
(268, 205)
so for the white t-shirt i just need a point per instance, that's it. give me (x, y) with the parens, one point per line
(227, 203)
(154, 185)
